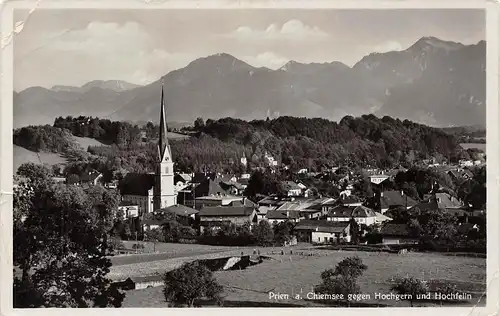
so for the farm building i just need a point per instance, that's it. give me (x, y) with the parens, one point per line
(321, 231)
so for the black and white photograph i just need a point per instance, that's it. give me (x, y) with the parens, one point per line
(275, 157)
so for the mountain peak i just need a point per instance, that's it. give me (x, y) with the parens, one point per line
(297, 67)
(428, 43)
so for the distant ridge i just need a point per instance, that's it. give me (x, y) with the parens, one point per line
(435, 82)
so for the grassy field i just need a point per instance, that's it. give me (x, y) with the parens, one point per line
(85, 142)
(23, 155)
(292, 274)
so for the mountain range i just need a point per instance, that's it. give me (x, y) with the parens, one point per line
(435, 82)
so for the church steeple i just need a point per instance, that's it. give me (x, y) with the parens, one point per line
(163, 146)
(164, 191)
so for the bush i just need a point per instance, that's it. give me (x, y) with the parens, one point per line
(191, 282)
(411, 286)
(342, 280)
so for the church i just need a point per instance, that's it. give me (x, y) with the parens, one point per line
(153, 191)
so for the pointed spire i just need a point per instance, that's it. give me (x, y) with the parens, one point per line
(163, 140)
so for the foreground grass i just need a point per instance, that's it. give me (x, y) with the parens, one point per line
(299, 274)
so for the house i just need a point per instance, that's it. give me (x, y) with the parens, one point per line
(307, 208)
(443, 201)
(349, 200)
(92, 178)
(381, 218)
(276, 216)
(59, 179)
(216, 200)
(183, 214)
(183, 177)
(460, 174)
(200, 177)
(393, 234)
(129, 209)
(361, 214)
(392, 199)
(232, 187)
(302, 171)
(243, 161)
(466, 163)
(271, 202)
(216, 216)
(291, 188)
(378, 178)
(321, 231)
(138, 189)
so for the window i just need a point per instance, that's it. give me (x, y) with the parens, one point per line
(166, 169)
(319, 238)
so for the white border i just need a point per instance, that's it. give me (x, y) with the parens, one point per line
(6, 154)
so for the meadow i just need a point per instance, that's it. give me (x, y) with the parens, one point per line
(298, 274)
(23, 155)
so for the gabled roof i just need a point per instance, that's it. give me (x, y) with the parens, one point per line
(244, 202)
(269, 200)
(229, 211)
(137, 184)
(290, 185)
(444, 200)
(322, 226)
(351, 211)
(396, 198)
(90, 176)
(277, 214)
(184, 176)
(180, 210)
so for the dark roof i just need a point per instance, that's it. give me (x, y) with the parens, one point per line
(246, 202)
(227, 184)
(322, 226)
(351, 211)
(395, 198)
(90, 176)
(269, 200)
(180, 210)
(392, 229)
(222, 211)
(290, 185)
(137, 184)
(127, 203)
(276, 214)
(202, 176)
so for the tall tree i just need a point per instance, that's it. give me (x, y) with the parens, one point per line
(60, 245)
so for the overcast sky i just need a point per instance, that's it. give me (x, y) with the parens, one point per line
(72, 47)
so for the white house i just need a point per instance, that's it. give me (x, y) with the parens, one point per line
(129, 209)
(320, 231)
(378, 178)
(361, 214)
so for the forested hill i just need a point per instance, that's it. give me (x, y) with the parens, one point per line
(367, 139)
(218, 145)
